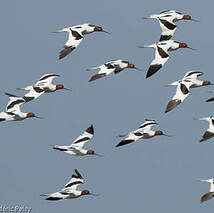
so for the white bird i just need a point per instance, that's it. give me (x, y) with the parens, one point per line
(210, 131)
(193, 77)
(13, 112)
(69, 191)
(143, 132)
(161, 54)
(76, 148)
(44, 85)
(181, 94)
(115, 66)
(166, 20)
(75, 36)
(210, 194)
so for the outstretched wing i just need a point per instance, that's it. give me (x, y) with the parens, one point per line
(207, 196)
(14, 103)
(168, 29)
(75, 181)
(132, 137)
(74, 39)
(83, 138)
(46, 80)
(147, 125)
(161, 57)
(34, 93)
(193, 74)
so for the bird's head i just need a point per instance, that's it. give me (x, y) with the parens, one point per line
(90, 152)
(159, 132)
(206, 83)
(30, 115)
(59, 86)
(186, 17)
(85, 192)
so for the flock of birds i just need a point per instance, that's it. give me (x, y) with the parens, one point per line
(162, 48)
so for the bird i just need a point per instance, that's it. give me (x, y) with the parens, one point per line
(69, 191)
(210, 131)
(192, 76)
(44, 85)
(143, 132)
(210, 194)
(13, 112)
(161, 54)
(115, 66)
(75, 36)
(182, 92)
(76, 148)
(167, 21)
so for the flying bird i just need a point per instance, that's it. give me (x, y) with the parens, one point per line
(182, 92)
(44, 85)
(210, 194)
(13, 112)
(210, 131)
(76, 148)
(75, 36)
(167, 21)
(193, 77)
(161, 54)
(69, 191)
(143, 132)
(115, 66)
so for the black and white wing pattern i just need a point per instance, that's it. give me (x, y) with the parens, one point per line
(104, 70)
(82, 139)
(192, 75)
(168, 29)
(182, 92)
(33, 93)
(161, 57)
(147, 125)
(74, 182)
(14, 103)
(132, 137)
(46, 80)
(75, 37)
(210, 131)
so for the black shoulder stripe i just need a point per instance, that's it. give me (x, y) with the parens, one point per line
(109, 66)
(76, 35)
(81, 140)
(138, 134)
(48, 76)
(53, 198)
(162, 53)
(191, 73)
(147, 124)
(167, 24)
(165, 37)
(124, 142)
(38, 89)
(27, 99)
(12, 104)
(77, 175)
(184, 89)
(73, 183)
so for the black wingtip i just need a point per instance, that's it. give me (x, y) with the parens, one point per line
(10, 95)
(210, 100)
(90, 130)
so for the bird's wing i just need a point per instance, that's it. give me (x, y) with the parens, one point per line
(207, 135)
(147, 125)
(182, 92)
(207, 196)
(193, 74)
(14, 103)
(168, 29)
(74, 39)
(161, 57)
(132, 137)
(105, 69)
(211, 123)
(34, 93)
(46, 80)
(83, 138)
(75, 181)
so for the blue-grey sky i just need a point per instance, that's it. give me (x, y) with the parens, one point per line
(156, 175)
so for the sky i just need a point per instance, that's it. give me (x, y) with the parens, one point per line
(155, 175)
